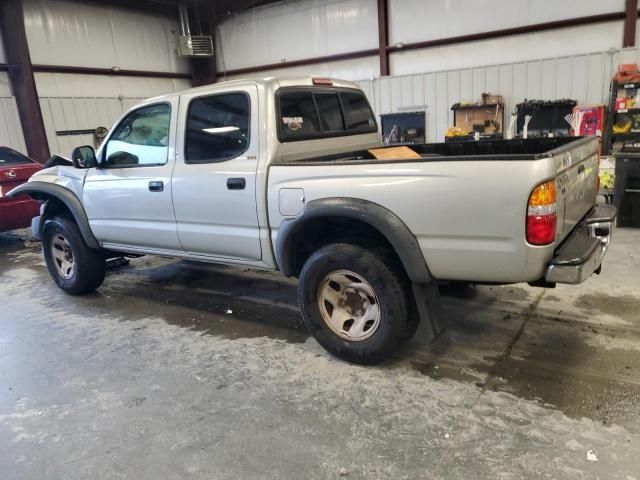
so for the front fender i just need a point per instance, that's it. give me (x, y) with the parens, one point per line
(47, 191)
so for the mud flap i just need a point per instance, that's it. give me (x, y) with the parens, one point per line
(432, 320)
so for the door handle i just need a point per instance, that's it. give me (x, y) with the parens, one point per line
(236, 183)
(156, 186)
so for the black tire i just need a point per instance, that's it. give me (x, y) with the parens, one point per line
(88, 264)
(397, 324)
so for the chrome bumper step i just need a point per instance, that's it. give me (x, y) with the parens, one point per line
(581, 254)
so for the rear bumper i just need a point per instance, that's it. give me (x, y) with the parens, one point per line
(581, 254)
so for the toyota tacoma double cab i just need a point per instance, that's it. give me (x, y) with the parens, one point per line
(291, 175)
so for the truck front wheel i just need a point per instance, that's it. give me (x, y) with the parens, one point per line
(75, 267)
(355, 303)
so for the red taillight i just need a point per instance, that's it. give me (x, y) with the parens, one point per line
(598, 183)
(323, 81)
(541, 214)
(541, 229)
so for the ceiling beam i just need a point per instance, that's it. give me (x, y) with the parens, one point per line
(307, 61)
(107, 71)
(169, 8)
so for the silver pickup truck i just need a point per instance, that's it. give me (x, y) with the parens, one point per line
(280, 175)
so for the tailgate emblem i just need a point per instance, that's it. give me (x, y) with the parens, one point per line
(11, 174)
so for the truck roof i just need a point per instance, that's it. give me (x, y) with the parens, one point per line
(270, 84)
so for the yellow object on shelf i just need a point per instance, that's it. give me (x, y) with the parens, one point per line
(622, 127)
(607, 180)
(455, 132)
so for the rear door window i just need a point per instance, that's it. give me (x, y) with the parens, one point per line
(217, 128)
(319, 113)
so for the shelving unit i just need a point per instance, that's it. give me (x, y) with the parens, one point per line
(490, 117)
(608, 137)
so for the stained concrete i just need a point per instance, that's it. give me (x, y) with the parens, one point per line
(178, 370)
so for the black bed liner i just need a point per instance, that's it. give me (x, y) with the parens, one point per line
(517, 149)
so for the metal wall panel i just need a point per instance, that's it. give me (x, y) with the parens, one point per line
(81, 102)
(3, 58)
(74, 85)
(585, 78)
(93, 35)
(5, 86)
(65, 113)
(295, 30)
(555, 43)
(420, 20)
(355, 69)
(10, 129)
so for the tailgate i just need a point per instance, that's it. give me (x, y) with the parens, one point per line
(577, 182)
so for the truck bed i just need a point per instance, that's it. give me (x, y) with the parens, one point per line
(516, 149)
(465, 203)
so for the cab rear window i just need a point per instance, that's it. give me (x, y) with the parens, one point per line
(11, 157)
(308, 113)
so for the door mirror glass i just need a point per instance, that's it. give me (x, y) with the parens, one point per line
(84, 157)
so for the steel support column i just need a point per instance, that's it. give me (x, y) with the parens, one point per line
(203, 70)
(23, 84)
(383, 38)
(631, 16)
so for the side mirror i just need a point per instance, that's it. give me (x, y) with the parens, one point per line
(84, 157)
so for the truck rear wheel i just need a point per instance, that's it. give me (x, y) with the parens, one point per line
(75, 267)
(355, 303)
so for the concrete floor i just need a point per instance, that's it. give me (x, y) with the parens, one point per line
(176, 370)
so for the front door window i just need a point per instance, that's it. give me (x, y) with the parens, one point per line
(140, 139)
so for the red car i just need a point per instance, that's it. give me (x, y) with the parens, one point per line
(16, 169)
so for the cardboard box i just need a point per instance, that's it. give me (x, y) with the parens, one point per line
(491, 99)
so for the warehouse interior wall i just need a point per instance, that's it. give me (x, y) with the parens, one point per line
(573, 62)
(78, 102)
(10, 129)
(296, 30)
(303, 29)
(584, 78)
(65, 33)
(96, 35)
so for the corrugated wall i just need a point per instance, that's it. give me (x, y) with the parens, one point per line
(294, 30)
(96, 35)
(585, 78)
(10, 129)
(76, 113)
(81, 102)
